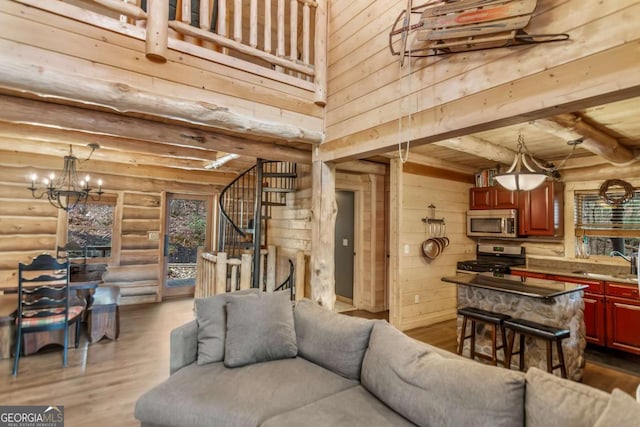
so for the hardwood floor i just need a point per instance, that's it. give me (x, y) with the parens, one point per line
(104, 379)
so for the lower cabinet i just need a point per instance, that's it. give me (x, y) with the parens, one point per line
(623, 317)
(594, 318)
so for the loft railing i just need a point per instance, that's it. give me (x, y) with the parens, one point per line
(280, 39)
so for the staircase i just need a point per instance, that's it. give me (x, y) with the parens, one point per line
(245, 206)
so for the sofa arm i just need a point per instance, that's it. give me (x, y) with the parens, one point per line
(184, 346)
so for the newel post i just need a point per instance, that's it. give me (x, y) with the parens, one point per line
(157, 30)
(325, 209)
(320, 53)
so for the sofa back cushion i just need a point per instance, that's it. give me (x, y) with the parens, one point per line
(433, 390)
(621, 411)
(334, 341)
(259, 329)
(211, 317)
(552, 401)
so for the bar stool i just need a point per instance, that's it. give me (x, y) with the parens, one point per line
(537, 330)
(490, 318)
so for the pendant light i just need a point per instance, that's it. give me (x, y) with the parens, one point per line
(517, 178)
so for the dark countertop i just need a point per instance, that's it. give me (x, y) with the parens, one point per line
(534, 288)
(581, 274)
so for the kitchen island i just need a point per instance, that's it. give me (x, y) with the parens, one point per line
(548, 302)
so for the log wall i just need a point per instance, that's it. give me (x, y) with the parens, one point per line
(30, 226)
(457, 94)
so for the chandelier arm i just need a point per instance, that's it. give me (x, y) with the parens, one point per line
(513, 165)
(528, 166)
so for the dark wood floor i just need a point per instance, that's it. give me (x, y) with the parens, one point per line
(443, 335)
(103, 380)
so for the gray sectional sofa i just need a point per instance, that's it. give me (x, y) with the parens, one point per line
(249, 359)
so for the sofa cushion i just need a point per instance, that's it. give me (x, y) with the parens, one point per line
(430, 389)
(259, 329)
(335, 341)
(211, 317)
(196, 395)
(552, 401)
(621, 411)
(354, 407)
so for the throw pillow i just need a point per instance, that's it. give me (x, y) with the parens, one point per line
(212, 324)
(333, 341)
(259, 329)
(552, 401)
(622, 411)
(433, 390)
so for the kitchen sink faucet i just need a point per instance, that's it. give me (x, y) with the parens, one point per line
(632, 259)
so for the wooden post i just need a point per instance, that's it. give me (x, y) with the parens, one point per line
(280, 31)
(245, 271)
(395, 261)
(221, 273)
(320, 53)
(234, 263)
(271, 268)
(293, 31)
(306, 28)
(253, 23)
(300, 274)
(199, 291)
(157, 30)
(322, 234)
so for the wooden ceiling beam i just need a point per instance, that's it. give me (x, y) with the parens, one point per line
(46, 83)
(50, 134)
(480, 148)
(571, 126)
(27, 111)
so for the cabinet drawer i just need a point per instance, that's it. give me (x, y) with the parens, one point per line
(594, 286)
(622, 290)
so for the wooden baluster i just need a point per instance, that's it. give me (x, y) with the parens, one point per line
(234, 263)
(280, 49)
(306, 28)
(237, 21)
(221, 273)
(221, 26)
(199, 290)
(267, 26)
(293, 31)
(157, 30)
(205, 21)
(253, 23)
(271, 268)
(320, 53)
(300, 275)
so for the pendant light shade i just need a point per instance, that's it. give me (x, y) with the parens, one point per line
(518, 178)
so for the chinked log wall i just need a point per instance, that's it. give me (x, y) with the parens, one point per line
(29, 226)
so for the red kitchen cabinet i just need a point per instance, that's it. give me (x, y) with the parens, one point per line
(542, 210)
(623, 317)
(492, 198)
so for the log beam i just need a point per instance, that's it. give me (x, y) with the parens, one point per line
(479, 147)
(26, 111)
(324, 212)
(571, 126)
(37, 81)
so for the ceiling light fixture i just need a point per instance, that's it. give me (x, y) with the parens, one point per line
(516, 178)
(66, 190)
(221, 161)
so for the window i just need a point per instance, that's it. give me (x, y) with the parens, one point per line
(90, 230)
(607, 228)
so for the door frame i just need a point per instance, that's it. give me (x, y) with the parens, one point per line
(209, 238)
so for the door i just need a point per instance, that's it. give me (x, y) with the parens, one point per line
(186, 228)
(344, 243)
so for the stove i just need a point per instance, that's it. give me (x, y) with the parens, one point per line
(494, 259)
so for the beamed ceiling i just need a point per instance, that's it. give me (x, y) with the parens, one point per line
(611, 135)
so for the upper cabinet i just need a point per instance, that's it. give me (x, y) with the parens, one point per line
(492, 198)
(541, 210)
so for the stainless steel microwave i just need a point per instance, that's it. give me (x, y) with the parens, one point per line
(492, 223)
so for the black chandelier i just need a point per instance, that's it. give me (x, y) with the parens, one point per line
(67, 190)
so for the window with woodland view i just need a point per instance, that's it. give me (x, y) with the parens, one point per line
(607, 228)
(90, 229)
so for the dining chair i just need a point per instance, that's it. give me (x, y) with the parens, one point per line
(44, 302)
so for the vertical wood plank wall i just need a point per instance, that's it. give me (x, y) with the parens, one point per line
(368, 91)
(290, 230)
(418, 277)
(29, 226)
